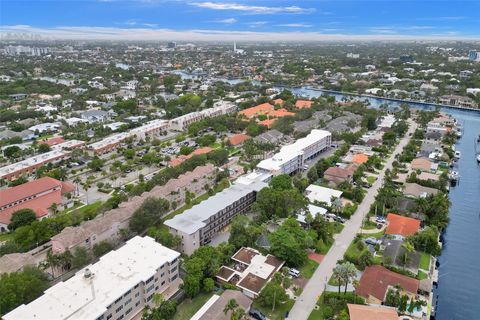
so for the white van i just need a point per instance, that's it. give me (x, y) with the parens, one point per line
(294, 272)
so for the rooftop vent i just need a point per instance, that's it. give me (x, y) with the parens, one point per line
(88, 274)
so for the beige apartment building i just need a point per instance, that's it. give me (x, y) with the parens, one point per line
(117, 287)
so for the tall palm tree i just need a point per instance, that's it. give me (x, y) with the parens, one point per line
(53, 261)
(239, 314)
(408, 247)
(349, 273)
(230, 306)
(338, 275)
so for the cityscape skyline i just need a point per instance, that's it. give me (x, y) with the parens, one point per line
(242, 20)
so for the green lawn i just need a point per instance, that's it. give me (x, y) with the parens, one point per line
(337, 227)
(189, 307)
(424, 261)
(371, 179)
(322, 248)
(369, 225)
(422, 275)
(308, 269)
(280, 310)
(376, 235)
(5, 236)
(316, 315)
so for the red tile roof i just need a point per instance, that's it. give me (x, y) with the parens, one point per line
(52, 141)
(375, 281)
(361, 312)
(401, 225)
(280, 113)
(40, 204)
(301, 104)
(257, 110)
(359, 158)
(238, 139)
(268, 122)
(278, 101)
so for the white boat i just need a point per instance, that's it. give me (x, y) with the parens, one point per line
(458, 154)
(478, 157)
(453, 175)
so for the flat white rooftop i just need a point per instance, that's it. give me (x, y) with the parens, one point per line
(35, 160)
(291, 151)
(81, 298)
(321, 194)
(194, 218)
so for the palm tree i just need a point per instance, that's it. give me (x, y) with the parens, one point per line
(239, 314)
(408, 247)
(338, 275)
(230, 306)
(77, 180)
(52, 261)
(349, 273)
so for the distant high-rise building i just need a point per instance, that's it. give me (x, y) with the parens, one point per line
(171, 45)
(473, 55)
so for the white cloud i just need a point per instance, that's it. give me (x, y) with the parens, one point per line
(295, 25)
(119, 34)
(226, 21)
(257, 24)
(251, 9)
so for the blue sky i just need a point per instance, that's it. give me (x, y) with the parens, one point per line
(243, 19)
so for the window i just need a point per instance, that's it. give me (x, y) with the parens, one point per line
(149, 280)
(163, 282)
(150, 288)
(120, 318)
(136, 286)
(174, 277)
(128, 301)
(116, 301)
(136, 304)
(118, 309)
(109, 317)
(127, 293)
(128, 311)
(100, 318)
(137, 294)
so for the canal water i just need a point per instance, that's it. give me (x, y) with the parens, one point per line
(458, 292)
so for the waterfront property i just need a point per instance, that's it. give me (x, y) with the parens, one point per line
(117, 287)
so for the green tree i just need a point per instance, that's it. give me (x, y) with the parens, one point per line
(80, 257)
(20, 218)
(21, 288)
(99, 249)
(43, 147)
(148, 214)
(281, 182)
(230, 306)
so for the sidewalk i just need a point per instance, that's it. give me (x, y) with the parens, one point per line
(306, 302)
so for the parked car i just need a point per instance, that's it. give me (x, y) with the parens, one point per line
(339, 219)
(294, 272)
(257, 314)
(372, 241)
(380, 220)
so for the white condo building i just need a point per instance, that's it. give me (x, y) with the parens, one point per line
(116, 287)
(220, 108)
(199, 224)
(291, 158)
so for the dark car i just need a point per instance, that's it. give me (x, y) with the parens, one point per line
(256, 314)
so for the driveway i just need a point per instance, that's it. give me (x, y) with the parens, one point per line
(306, 302)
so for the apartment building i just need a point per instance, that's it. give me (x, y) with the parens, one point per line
(291, 158)
(38, 195)
(117, 287)
(58, 153)
(199, 224)
(220, 108)
(151, 130)
(108, 225)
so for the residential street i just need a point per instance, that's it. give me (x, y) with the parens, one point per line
(315, 287)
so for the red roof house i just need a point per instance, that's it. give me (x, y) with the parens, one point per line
(400, 225)
(376, 280)
(303, 104)
(238, 139)
(38, 195)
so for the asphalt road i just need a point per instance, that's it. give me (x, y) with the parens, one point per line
(306, 302)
